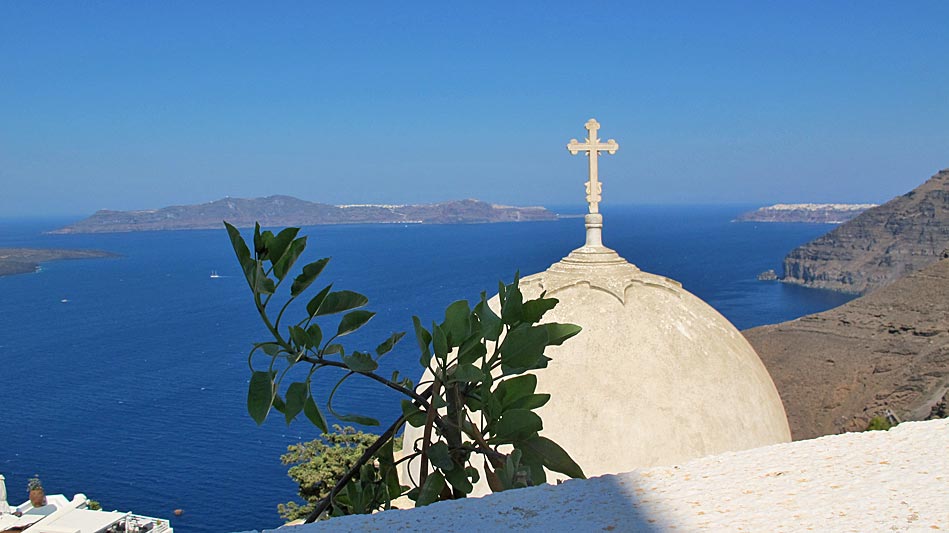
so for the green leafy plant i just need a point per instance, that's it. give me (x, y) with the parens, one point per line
(480, 399)
(879, 423)
(34, 483)
(317, 464)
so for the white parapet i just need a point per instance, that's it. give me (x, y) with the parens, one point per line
(896, 480)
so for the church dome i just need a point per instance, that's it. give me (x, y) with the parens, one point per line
(656, 376)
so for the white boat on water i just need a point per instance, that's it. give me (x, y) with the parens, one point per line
(61, 515)
(214, 274)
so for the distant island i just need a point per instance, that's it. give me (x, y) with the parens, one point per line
(813, 213)
(289, 211)
(27, 260)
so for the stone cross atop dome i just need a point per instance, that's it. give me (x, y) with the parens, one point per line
(593, 251)
(592, 146)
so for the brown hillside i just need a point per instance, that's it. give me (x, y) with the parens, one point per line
(886, 350)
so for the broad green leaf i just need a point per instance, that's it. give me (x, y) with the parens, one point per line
(278, 404)
(314, 414)
(360, 362)
(472, 350)
(260, 395)
(433, 486)
(516, 424)
(440, 457)
(315, 334)
(334, 348)
(339, 301)
(457, 322)
(413, 415)
(512, 311)
(557, 333)
(261, 283)
(352, 321)
(466, 373)
(314, 304)
(523, 346)
(388, 470)
(424, 338)
(536, 469)
(386, 346)
(240, 247)
(491, 324)
(357, 419)
(532, 401)
(260, 247)
(287, 260)
(553, 456)
(492, 408)
(299, 336)
(308, 276)
(279, 245)
(511, 390)
(458, 478)
(296, 396)
(473, 474)
(534, 309)
(439, 344)
(270, 348)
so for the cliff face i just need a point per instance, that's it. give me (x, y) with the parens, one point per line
(289, 211)
(886, 350)
(880, 245)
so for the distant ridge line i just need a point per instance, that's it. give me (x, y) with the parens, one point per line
(282, 210)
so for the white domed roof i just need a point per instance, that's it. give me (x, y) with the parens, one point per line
(657, 376)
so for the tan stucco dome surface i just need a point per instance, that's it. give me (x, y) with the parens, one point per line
(656, 377)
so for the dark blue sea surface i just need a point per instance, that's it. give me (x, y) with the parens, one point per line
(125, 378)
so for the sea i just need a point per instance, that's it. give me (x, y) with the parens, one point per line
(125, 378)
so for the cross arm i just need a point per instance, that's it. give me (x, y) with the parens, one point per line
(609, 146)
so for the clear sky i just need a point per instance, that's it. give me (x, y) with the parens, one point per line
(133, 105)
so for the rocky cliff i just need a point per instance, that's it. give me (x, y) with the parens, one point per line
(886, 350)
(878, 246)
(289, 211)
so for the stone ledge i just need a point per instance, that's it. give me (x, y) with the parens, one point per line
(894, 480)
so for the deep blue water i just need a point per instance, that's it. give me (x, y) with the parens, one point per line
(133, 391)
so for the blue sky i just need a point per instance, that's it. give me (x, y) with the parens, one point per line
(132, 105)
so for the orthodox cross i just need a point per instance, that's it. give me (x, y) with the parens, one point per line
(592, 146)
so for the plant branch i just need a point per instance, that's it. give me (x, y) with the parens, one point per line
(420, 398)
(427, 436)
(367, 455)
